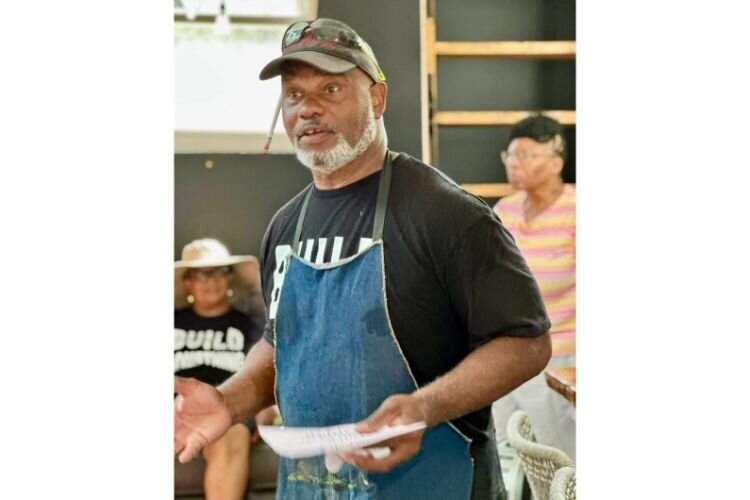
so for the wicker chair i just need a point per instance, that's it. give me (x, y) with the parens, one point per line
(540, 462)
(563, 485)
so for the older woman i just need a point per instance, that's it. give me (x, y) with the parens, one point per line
(211, 340)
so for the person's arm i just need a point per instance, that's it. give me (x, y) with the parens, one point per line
(488, 373)
(203, 413)
(484, 376)
(252, 388)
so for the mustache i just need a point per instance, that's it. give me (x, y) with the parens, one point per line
(301, 126)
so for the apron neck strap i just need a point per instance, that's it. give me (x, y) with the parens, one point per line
(301, 219)
(383, 190)
(382, 203)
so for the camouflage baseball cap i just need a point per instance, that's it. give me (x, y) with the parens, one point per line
(327, 44)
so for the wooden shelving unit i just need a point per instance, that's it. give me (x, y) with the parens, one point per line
(433, 118)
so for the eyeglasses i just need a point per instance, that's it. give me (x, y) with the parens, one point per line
(295, 32)
(523, 157)
(208, 273)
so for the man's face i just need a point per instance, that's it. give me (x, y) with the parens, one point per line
(530, 164)
(329, 118)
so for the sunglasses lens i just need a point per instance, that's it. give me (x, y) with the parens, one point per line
(335, 35)
(294, 33)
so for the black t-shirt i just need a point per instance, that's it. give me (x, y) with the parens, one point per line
(454, 276)
(212, 349)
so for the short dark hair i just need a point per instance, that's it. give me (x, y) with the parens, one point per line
(540, 128)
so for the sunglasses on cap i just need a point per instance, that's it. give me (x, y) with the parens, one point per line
(322, 32)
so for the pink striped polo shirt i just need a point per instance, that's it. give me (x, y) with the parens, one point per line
(548, 243)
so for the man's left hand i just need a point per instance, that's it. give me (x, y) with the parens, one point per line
(395, 410)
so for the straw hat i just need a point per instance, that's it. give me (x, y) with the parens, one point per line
(209, 252)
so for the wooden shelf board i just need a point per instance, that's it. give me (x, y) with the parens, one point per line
(508, 49)
(496, 118)
(489, 190)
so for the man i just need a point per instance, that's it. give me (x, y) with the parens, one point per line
(541, 216)
(394, 297)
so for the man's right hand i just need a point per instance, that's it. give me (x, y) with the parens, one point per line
(200, 417)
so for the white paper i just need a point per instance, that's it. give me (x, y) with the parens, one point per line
(303, 442)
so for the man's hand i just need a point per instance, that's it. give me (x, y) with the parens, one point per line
(200, 417)
(397, 409)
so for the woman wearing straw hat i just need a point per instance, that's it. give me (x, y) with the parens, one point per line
(211, 340)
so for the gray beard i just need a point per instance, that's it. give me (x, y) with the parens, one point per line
(327, 162)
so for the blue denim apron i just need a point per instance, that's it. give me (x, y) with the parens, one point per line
(337, 359)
